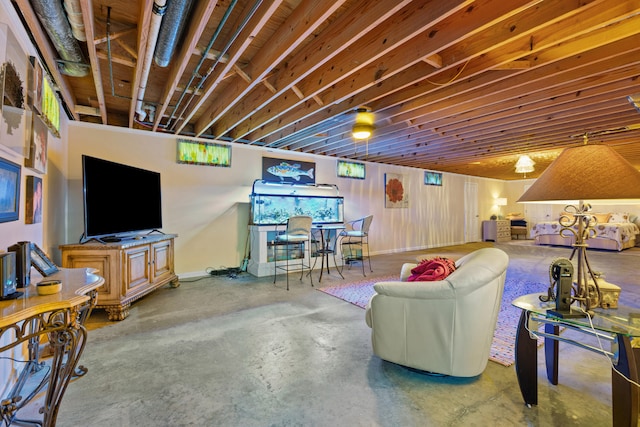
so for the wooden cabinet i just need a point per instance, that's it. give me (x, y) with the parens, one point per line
(496, 230)
(131, 269)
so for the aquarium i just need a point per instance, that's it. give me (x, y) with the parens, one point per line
(277, 208)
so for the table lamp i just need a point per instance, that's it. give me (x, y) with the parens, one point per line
(500, 202)
(593, 173)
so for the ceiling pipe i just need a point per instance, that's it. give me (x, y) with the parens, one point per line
(196, 71)
(55, 23)
(223, 53)
(159, 9)
(171, 30)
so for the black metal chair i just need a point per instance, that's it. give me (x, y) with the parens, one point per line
(296, 242)
(353, 241)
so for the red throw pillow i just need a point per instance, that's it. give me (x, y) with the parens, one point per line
(430, 270)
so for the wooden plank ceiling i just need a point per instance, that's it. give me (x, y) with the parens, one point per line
(454, 85)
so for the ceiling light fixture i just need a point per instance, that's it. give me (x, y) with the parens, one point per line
(524, 165)
(635, 101)
(363, 127)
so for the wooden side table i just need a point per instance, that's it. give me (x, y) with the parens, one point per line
(614, 326)
(61, 317)
(496, 230)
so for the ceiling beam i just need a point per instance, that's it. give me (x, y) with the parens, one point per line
(49, 54)
(364, 54)
(248, 30)
(348, 27)
(200, 19)
(87, 17)
(306, 18)
(397, 71)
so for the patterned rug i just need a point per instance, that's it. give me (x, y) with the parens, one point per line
(504, 338)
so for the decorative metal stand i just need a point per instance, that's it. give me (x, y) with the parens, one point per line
(582, 227)
(67, 336)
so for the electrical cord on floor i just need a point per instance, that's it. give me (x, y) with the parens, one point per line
(604, 351)
(231, 273)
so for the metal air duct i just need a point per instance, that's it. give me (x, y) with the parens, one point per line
(171, 29)
(55, 23)
(74, 14)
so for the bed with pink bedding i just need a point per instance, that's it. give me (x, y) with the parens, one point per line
(613, 236)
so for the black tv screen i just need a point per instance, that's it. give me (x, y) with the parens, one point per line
(119, 200)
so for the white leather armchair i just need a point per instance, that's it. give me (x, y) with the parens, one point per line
(443, 327)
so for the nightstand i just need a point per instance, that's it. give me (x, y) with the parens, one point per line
(496, 230)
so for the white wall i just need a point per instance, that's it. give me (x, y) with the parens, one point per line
(46, 234)
(208, 207)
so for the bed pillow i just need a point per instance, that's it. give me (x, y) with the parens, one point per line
(515, 216)
(602, 218)
(619, 217)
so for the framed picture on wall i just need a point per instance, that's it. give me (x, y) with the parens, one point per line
(41, 261)
(288, 171)
(204, 153)
(13, 86)
(347, 169)
(432, 178)
(35, 84)
(33, 203)
(37, 159)
(9, 190)
(395, 193)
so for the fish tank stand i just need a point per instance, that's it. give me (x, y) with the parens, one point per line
(272, 203)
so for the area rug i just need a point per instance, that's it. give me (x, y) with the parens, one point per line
(504, 338)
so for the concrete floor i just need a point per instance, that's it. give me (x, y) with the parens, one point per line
(244, 352)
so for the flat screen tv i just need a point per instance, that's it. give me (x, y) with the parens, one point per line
(120, 201)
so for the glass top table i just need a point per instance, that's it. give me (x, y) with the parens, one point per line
(618, 326)
(621, 320)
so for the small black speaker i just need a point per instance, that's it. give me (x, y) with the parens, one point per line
(23, 263)
(8, 275)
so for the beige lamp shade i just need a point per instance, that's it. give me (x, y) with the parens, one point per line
(501, 201)
(588, 172)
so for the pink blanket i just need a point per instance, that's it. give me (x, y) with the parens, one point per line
(432, 269)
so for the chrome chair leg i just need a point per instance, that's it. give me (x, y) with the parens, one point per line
(368, 255)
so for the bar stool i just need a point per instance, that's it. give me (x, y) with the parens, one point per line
(354, 240)
(296, 240)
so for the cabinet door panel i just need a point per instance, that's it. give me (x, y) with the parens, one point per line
(137, 261)
(103, 263)
(162, 259)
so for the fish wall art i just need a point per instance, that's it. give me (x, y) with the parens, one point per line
(288, 171)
